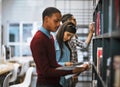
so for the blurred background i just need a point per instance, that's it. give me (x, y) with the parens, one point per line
(20, 19)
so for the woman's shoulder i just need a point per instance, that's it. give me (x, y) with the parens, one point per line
(56, 44)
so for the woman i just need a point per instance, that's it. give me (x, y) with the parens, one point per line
(75, 42)
(63, 51)
(64, 34)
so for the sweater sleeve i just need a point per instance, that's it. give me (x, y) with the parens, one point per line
(42, 61)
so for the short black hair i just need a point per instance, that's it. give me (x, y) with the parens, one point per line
(49, 11)
(66, 17)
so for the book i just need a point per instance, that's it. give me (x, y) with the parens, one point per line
(116, 67)
(75, 65)
(99, 59)
(117, 13)
(99, 23)
(108, 73)
(65, 68)
(69, 67)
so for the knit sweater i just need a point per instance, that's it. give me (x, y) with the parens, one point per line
(43, 52)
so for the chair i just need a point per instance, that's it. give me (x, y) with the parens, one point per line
(24, 67)
(6, 52)
(14, 73)
(6, 80)
(34, 78)
(27, 80)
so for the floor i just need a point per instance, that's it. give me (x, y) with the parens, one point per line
(84, 84)
(85, 79)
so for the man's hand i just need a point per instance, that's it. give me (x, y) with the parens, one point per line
(86, 66)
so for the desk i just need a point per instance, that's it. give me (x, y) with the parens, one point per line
(20, 59)
(24, 63)
(6, 67)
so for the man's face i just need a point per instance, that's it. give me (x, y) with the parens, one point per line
(53, 22)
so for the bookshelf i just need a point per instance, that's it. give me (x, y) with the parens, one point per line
(106, 16)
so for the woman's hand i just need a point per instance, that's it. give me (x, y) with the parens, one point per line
(81, 69)
(91, 27)
(68, 63)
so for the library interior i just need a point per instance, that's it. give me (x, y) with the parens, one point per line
(59, 43)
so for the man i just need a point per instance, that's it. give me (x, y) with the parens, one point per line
(43, 51)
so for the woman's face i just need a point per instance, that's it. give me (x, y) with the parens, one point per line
(67, 36)
(73, 20)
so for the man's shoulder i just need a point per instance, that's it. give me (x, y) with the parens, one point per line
(39, 36)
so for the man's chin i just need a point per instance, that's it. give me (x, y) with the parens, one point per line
(54, 30)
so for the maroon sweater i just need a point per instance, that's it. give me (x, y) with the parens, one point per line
(44, 55)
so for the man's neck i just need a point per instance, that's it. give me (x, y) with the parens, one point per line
(45, 27)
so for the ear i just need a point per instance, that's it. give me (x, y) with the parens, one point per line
(46, 18)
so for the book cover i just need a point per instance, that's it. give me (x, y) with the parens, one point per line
(99, 59)
(108, 73)
(69, 67)
(101, 23)
(79, 65)
(117, 13)
(116, 67)
(98, 23)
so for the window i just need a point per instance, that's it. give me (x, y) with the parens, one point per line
(14, 35)
(20, 35)
(27, 28)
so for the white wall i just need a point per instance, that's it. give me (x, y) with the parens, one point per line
(81, 9)
(31, 10)
(23, 10)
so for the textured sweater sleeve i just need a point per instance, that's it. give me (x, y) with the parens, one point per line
(46, 66)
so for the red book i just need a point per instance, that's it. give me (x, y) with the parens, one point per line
(99, 58)
(98, 24)
(117, 12)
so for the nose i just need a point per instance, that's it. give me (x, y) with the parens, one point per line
(58, 24)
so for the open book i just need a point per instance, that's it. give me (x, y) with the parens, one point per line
(75, 65)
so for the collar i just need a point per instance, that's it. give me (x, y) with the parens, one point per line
(45, 31)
